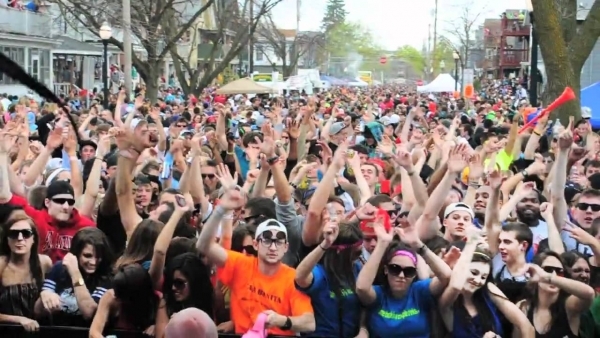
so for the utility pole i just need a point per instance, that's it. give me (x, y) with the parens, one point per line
(435, 20)
(429, 63)
(127, 45)
(251, 41)
(296, 41)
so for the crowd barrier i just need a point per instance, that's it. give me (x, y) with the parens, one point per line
(13, 330)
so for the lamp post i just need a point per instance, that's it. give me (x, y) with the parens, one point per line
(456, 57)
(105, 35)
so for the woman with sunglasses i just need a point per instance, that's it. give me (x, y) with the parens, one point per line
(328, 275)
(401, 304)
(471, 306)
(580, 269)
(74, 286)
(21, 270)
(556, 303)
(187, 284)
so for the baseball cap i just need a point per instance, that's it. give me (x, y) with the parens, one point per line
(336, 128)
(268, 225)
(458, 207)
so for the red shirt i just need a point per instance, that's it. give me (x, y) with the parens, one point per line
(54, 240)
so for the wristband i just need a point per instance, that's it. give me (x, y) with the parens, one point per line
(422, 250)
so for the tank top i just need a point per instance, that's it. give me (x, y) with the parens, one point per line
(560, 328)
(474, 329)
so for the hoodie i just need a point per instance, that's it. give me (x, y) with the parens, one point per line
(54, 239)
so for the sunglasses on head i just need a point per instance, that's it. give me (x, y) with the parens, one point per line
(407, 271)
(179, 284)
(210, 176)
(586, 206)
(554, 269)
(14, 234)
(62, 201)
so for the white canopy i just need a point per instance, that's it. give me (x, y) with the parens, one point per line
(358, 83)
(442, 83)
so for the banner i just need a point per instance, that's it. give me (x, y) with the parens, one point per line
(366, 76)
(265, 77)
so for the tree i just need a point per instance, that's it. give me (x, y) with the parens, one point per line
(462, 32)
(413, 57)
(335, 14)
(352, 47)
(231, 18)
(147, 18)
(285, 47)
(565, 46)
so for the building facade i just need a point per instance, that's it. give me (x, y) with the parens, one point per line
(26, 39)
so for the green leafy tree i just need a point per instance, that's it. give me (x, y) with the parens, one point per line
(413, 57)
(335, 14)
(565, 45)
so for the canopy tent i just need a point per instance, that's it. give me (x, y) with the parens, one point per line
(590, 97)
(245, 86)
(442, 83)
(358, 83)
(333, 81)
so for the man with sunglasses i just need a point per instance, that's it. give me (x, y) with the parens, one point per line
(261, 284)
(58, 222)
(584, 212)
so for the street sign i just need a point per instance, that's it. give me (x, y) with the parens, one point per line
(383, 60)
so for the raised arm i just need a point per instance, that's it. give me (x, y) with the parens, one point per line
(93, 181)
(206, 245)
(162, 244)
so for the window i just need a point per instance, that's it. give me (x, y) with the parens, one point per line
(16, 54)
(260, 55)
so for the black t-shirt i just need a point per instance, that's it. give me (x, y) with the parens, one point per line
(113, 228)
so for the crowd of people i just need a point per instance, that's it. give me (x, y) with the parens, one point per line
(374, 212)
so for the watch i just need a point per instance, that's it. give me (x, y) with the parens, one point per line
(287, 325)
(79, 282)
(272, 160)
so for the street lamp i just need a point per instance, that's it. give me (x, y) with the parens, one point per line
(105, 35)
(456, 57)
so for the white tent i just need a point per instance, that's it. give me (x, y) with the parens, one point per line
(442, 83)
(358, 83)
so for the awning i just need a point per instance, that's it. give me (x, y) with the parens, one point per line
(70, 46)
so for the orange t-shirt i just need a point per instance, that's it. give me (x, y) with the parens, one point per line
(253, 292)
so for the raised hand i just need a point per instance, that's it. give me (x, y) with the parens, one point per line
(232, 199)
(225, 178)
(457, 161)
(330, 233)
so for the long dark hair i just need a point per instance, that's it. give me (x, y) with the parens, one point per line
(141, 245)
(486, 317)
(201, 296)
(339, 265)
(133, 288)
(97, 239)
(387, 257)
(35, 267)
(557, 309)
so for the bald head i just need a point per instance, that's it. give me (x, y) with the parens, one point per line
(191, 322)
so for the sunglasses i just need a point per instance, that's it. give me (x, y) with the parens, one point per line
(179, 284)
(249, 250)
(62, 201)
(586, 206)
(407, 271)
(210, 176)
(553, 269)
(14, 234)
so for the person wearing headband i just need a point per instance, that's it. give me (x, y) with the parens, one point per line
(403, 302)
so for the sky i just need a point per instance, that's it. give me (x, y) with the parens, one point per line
(394, 23)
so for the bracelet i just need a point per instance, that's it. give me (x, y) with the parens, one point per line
(422, 250)
(322, 248)
(537, 133)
